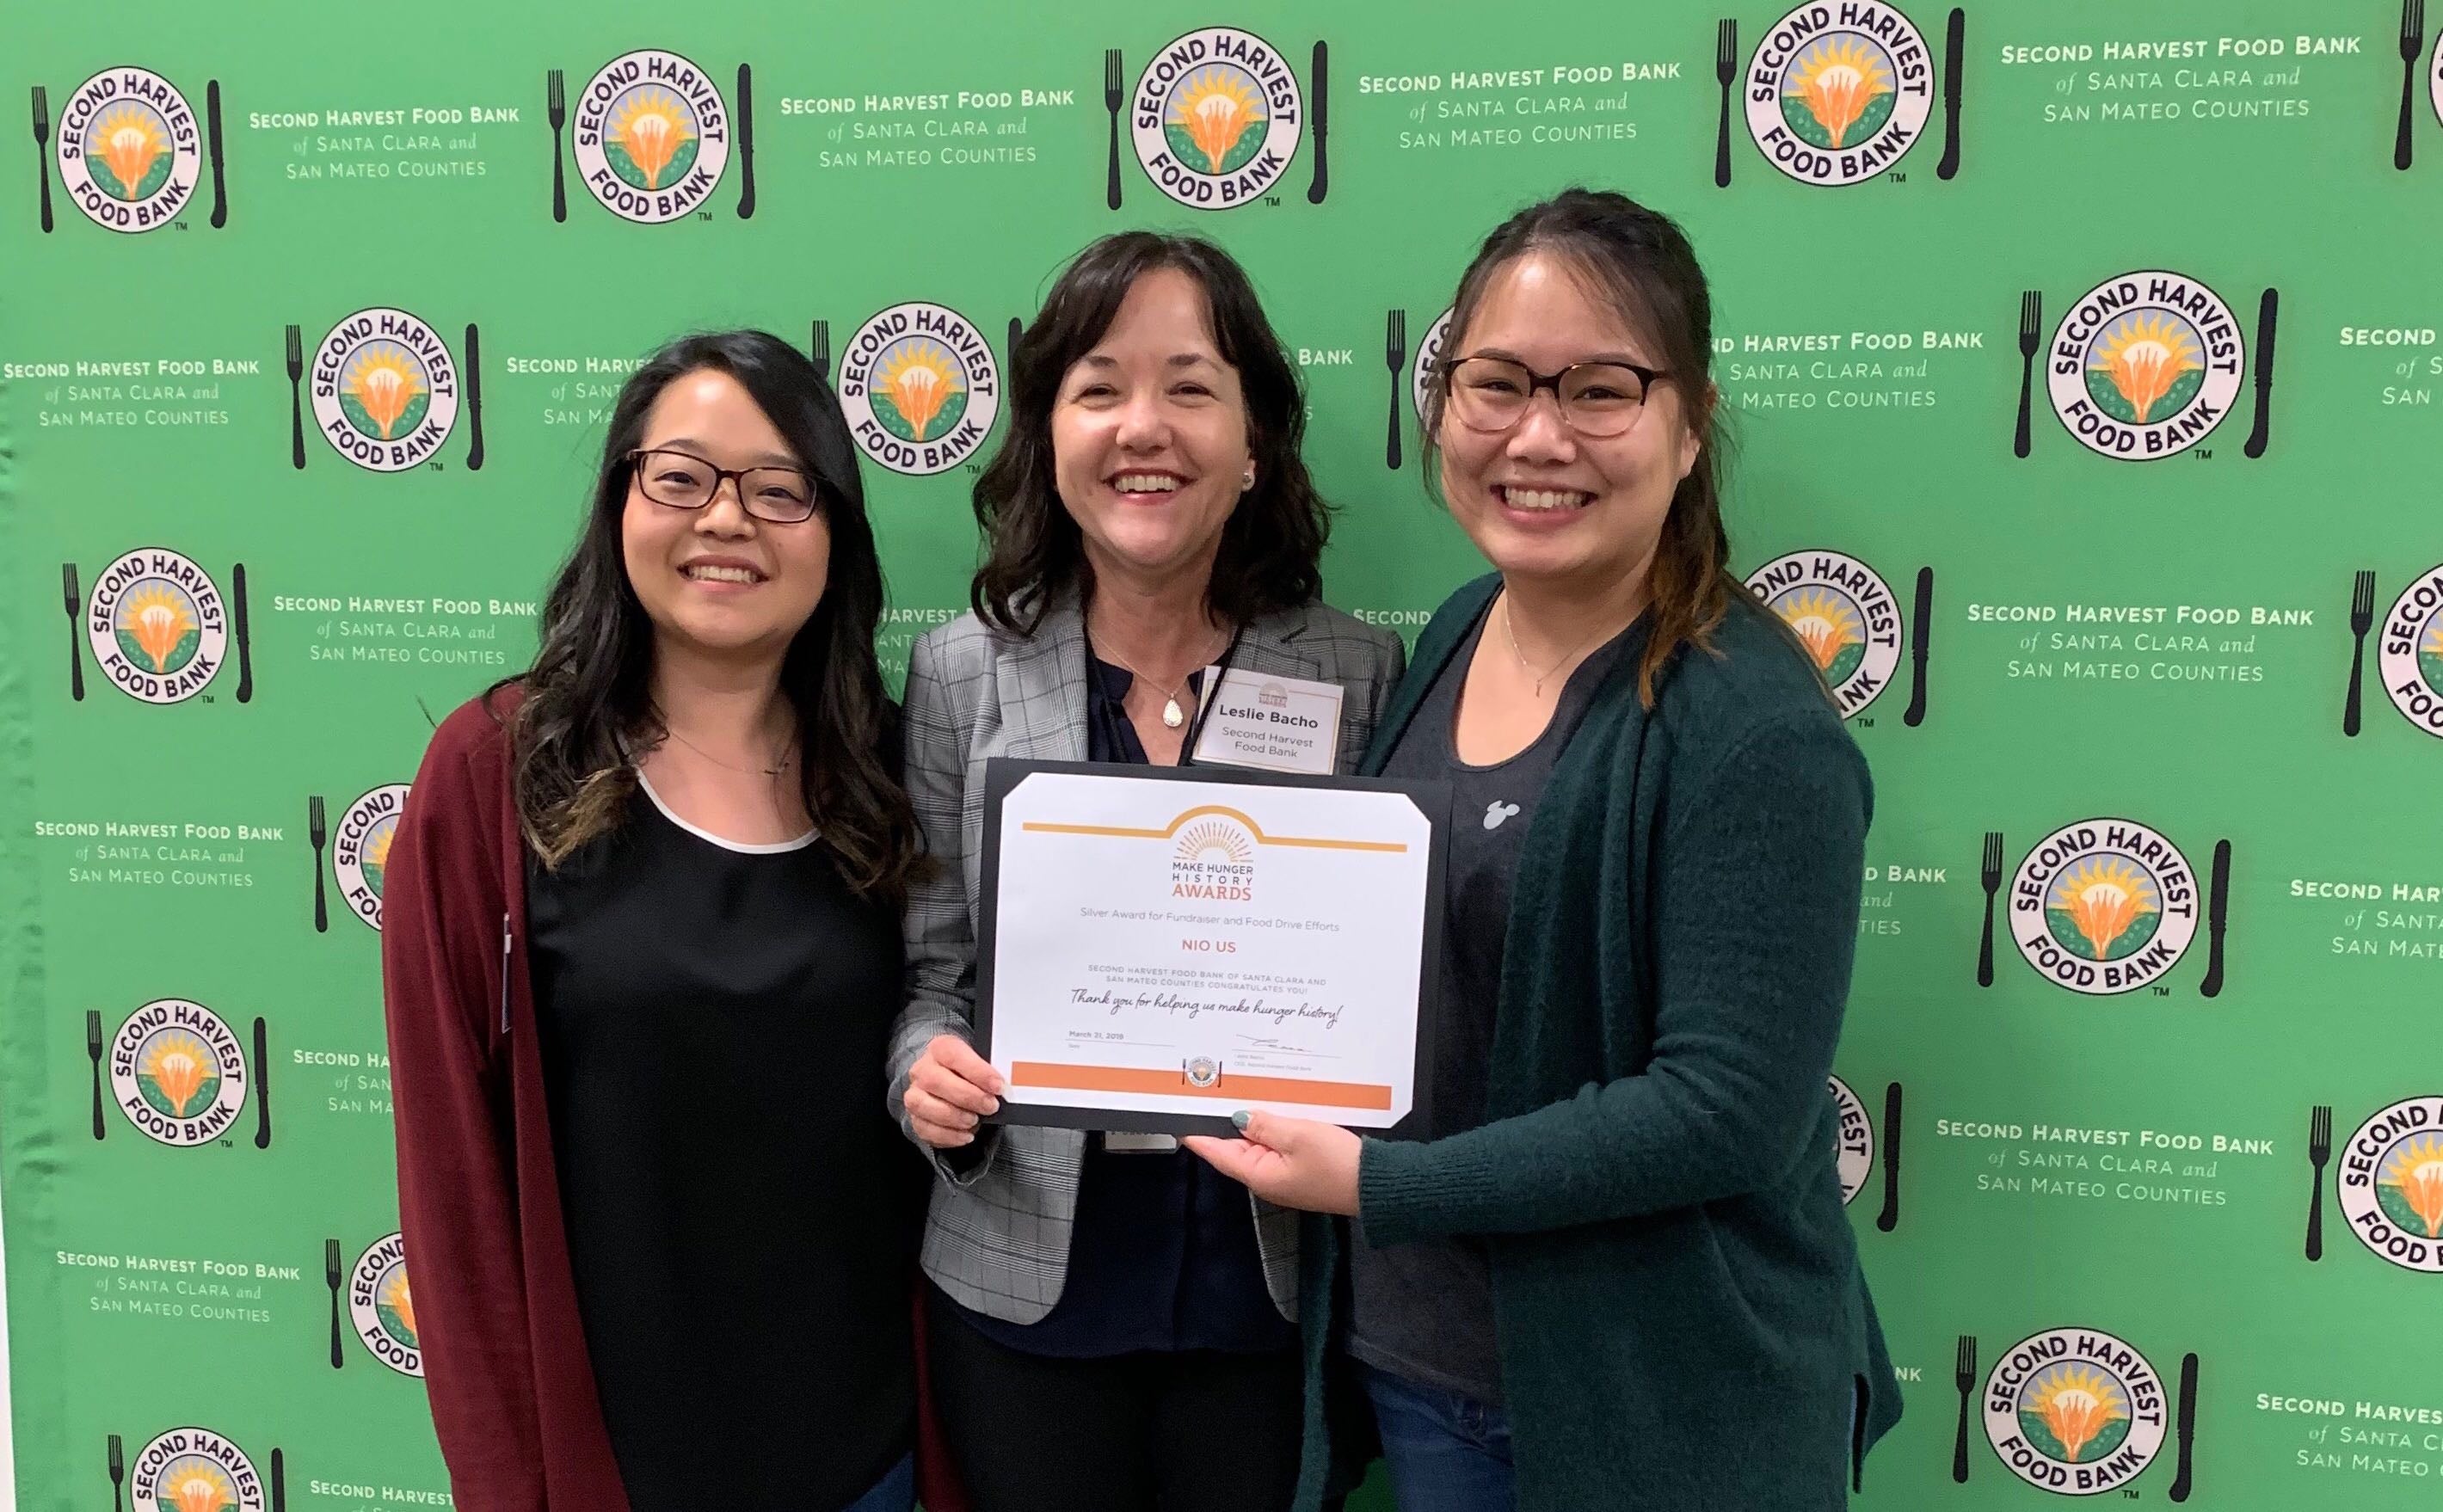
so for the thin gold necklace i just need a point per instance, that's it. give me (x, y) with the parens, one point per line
(1523, 664)
(1172, 715)
(787, 756)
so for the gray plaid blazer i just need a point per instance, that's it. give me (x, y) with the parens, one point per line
(998, 1236)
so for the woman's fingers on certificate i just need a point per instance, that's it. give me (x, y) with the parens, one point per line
(1293, 1163)
(949, 1088)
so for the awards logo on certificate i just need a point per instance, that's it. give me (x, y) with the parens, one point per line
(1162, 946)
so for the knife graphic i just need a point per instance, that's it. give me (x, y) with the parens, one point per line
(278, 1483)
(262, 1088)
(745, 143)
(1920, 628)
(1889, 1218)
(245, 642)
(474, 398)
(1016, 329)
(1955, 40)
(2264, 313)
(2183, 1482)
(1320, 82)
(213, 129)
(2217, 911)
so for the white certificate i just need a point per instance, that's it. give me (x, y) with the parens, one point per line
(1162, 947)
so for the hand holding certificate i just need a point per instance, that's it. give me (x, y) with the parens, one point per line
(1161, 947)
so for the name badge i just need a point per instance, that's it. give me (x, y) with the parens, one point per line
(1275, 723)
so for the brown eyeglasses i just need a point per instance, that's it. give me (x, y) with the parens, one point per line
(1599, 399)
(784, 496)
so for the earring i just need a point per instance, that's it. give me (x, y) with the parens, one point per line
(1247, 480)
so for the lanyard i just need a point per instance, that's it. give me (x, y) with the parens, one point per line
(1208, 697)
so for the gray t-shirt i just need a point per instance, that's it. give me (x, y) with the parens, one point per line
(1424, 1311)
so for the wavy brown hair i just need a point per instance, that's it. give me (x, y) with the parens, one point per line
(588, 712)
(1641, 262)
(1272, 545)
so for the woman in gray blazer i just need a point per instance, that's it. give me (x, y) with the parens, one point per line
(1112, 1322)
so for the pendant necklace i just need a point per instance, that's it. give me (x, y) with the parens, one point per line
(1172, 715)
(1539, 677)
(786, 757)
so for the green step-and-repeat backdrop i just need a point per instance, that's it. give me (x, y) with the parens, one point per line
(2083, 361)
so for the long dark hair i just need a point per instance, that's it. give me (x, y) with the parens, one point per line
(1641, 261)
(1272, 546)
(588, 713)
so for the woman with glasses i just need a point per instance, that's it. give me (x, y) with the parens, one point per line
(640, 958)
(1616, 1273)
(1111, 1322)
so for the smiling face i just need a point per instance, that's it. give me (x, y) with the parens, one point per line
(718, 580)
(1540, 500)
(1149, 435)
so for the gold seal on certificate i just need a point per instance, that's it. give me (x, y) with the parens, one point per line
(1160, 946)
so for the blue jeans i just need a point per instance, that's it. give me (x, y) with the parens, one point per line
(896, 1492)
(1445, 1452)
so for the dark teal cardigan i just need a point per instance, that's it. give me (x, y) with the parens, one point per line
(1682, 1320)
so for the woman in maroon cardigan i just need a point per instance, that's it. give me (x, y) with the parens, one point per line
(641, 954)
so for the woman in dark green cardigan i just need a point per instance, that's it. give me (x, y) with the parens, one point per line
(1616, 1273)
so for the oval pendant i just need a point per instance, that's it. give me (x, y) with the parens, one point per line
(1171, 718)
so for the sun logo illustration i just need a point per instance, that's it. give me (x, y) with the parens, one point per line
(2078, 1406)
(398, 1305)
(2415, 1173)
(177, 1068)
(194, 1484)
(651, 128)
(2101, 898)
(1214, 840)
(920, 378)
(2145, 356)
(159, 620)
(1214, 110)
(130, 139)
(385, 380)
(1839, 80)
(1826, 621)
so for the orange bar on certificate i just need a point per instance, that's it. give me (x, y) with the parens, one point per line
(1228, 1086)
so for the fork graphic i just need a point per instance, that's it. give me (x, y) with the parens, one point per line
(2361, 621)
(554, 93)
(2413, 37)
(1114, 95)
(2031, 323)
(296, 339)
(1990, 875)
(1726, 72)
(1963, 1375)
(1395, 356)
(820, 348)
(2319, 1150)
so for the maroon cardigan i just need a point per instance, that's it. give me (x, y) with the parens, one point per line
(504, 1360)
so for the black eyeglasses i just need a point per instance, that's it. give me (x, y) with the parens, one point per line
(784, 496)
(1599, 399)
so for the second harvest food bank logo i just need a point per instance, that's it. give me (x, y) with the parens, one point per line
(1845, 612)
(2076, 1411)
(130, 151)
(156, 624)
(2390, 1183)
(920, 387)
(195, 1469)
(1216, 117)
(2103, 906)
(2146, 365)
(177, 1070)
(1838, 93)
(385, 390)
(380, 1304)
(2409, 657)
(652, 135)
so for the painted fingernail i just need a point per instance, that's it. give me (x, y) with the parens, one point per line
(1241, 1119)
